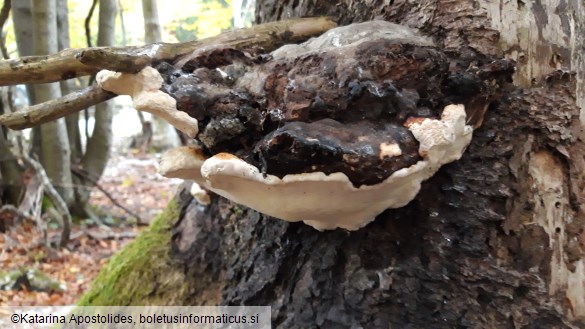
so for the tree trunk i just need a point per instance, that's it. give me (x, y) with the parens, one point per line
(99, 145)
(152, 29)
(164, 135)
(11, 182)
(23, 30)
(55, 152)
(68, 86)
(494, 240)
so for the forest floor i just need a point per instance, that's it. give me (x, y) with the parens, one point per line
(132, 181)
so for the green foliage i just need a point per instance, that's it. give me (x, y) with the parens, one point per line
(46, 203)
(10, 38)
(206, 18)
(183, 20)
(78, 10)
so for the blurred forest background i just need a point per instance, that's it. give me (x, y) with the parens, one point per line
(75, 190)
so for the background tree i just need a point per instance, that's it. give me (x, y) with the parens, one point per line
(23, 29)
(59, 144)
(55, 152)
(164, 135)
(68, 86)
(99, 145)
(10, 174)
(243, 12)
(10, 178)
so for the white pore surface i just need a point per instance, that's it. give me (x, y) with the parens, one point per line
(182, 162)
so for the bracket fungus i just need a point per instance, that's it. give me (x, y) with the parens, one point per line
(144, 87)
(200, 194)
(182, 162)
(330, 132)
(331, 201)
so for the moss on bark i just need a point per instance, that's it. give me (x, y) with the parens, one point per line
(142, 273)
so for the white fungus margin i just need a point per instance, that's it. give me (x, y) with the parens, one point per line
(144, 87)
(331, 201)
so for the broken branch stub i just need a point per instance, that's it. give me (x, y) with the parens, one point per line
(330, 132)
(56, 108)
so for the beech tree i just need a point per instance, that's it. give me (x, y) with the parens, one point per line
(72, 170)
(164, 135)
(494, 239)
(93, 162)
(55, 152)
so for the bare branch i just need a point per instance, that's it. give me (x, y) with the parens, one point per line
(56, 108)
(70, 63)
(110, 235)
(122, 22)
(41, 69)
(84, 174)
(114, 59)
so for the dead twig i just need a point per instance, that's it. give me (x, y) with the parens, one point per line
(84, 175)
(88, 22)
(71, 63)
(110, 235)
(56, 108)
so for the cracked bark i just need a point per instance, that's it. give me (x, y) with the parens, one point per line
(493, 240)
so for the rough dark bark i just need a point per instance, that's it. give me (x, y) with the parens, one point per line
(494, 240)
(475, 249)
(11, 181)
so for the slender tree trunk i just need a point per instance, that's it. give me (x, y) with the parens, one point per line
(243, 12)
(164, 135)
(493, 240)
(99, 145)
(68, 86)
(152, 29)
(77, 207)
(122, 23)
(55, 152)
(23, 30)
